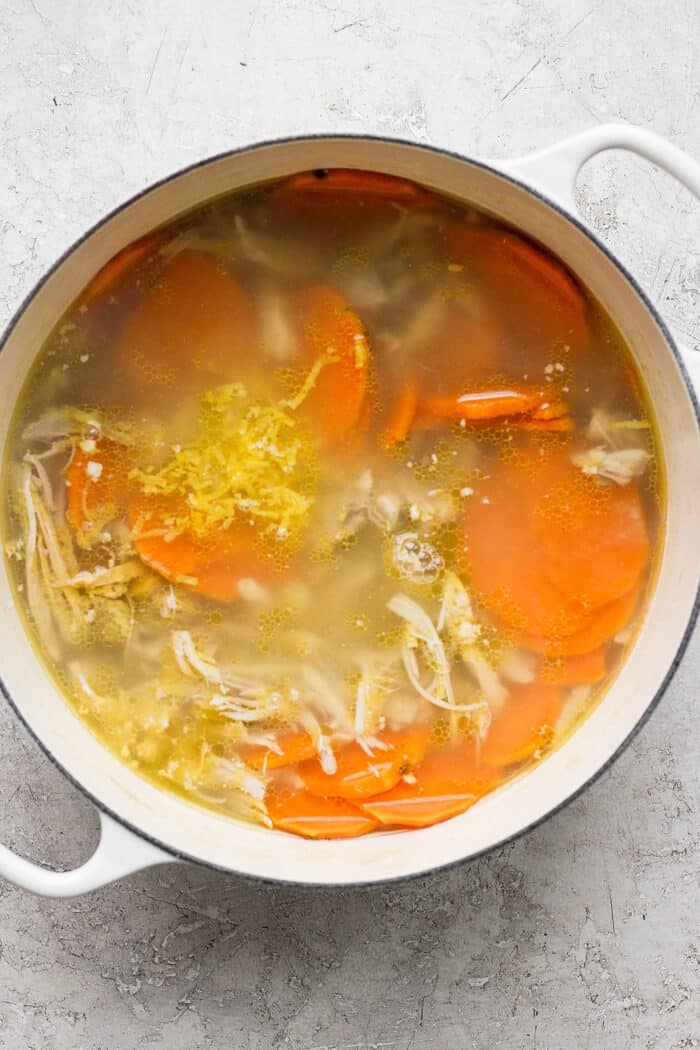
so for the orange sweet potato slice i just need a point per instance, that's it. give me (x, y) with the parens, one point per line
(523, 725)
(193, 329)
(314, 817)
(293, 746)
(96, 486)
(467, 349)
(486, 404)
(599, 627)
(503, 564)
(360, 775)
(211, 565)
(594, 535)
(120, 265)
(333, 186)
(536, 410)
(546, 545)
(330, 330)
(538, 294)
(400, 415)
(583, 669)
(448, 781)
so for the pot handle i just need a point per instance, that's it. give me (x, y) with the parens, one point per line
(120, 852)
(555, 169)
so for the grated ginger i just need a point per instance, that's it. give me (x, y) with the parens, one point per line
(251, 462)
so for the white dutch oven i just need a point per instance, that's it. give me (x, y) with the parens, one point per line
(141, 825)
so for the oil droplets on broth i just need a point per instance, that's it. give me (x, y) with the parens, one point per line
(332, 505)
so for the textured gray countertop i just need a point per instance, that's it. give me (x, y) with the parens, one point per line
(584, 934)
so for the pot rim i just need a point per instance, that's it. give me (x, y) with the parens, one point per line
(492, 168)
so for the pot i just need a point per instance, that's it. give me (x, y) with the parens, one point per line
(142, 825)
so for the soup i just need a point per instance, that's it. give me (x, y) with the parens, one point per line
(333, 504)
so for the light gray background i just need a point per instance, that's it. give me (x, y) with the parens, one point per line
(585, 934)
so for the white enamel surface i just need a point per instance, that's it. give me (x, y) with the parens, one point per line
(119, 853)
(199, 834)
(554, 169)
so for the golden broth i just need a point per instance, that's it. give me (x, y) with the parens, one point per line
(333, 504)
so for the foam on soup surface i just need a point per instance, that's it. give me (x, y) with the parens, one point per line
(332, 505)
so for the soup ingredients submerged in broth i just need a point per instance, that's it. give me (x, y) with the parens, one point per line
(333, 504)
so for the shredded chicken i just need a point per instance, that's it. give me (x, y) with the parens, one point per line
(232, 774)
(619, 465)
(191, 662)
(422, 638)
(326, 699)
(321, 741)
(64, 422)
(169, 605)
(278, 337)
(518, 666)
(458, 621)
(621, 452)
(361, 284)
(106, 577)
(275, 254)
(50, 566)
(373, 687)
(616, 432)
(252, 591)
(572, 709)
(423, 322)
(385, 505)
(364, 504)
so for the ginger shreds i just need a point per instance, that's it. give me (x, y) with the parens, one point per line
(309, 382)
(250, 462)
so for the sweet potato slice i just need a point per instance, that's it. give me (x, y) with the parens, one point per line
(96, 486)
(314, 817)
(599, 627)
(594, 534)
(448, 781)
(400, 416)
(505, 566)
(516, 405)
(358, 774)
(465, 350)
(331, 332)
(536, 292)
(523, 725)
(194, 328)
(293, 746)
(546, 545)
(212, 565)
(334, 187)
(582, 669)
(121, 265)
